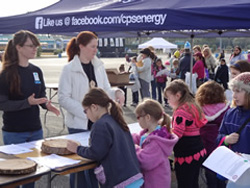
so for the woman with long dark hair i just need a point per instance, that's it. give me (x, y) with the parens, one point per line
(22, 90)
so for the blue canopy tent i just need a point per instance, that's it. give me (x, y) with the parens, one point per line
(135, 18)
(140, 18)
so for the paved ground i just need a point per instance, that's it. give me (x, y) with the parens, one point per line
(54, 125)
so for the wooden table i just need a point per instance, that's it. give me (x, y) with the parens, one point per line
(85, 164)
(8, 181)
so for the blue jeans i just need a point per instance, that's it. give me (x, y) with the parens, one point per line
(21, 137)
(85, 178)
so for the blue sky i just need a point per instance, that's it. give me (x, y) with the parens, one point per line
(14, 7)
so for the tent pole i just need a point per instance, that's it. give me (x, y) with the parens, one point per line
(220, 32)
(191, 60)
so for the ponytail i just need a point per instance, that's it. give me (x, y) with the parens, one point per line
(72, 49)
(10, 65)
(117, 114)
(166, 121)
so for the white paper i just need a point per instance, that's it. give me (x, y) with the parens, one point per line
(14, 149)
(163, 72)
(27, 145)
(1, 159)
(82, 138)
(227, 163)
(134, 128)
(54, 161)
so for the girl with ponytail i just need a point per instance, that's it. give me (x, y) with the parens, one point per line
(109, 136)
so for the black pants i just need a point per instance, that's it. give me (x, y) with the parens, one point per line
(135, 96)
(213, 181)
(187, 175)
(124, 89)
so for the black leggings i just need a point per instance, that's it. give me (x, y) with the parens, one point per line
(187, 175)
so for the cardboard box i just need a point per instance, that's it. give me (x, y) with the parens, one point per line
(117, 78)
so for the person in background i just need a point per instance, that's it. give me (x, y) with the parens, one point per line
(248, 56)
(204, 46)
(153, 67)
(210, 62)
(187, 120)
(222, 74)
(154, 144)
(210, 96)
(176, 56)
(175, 70)
(237, 55)
(22, 91)
(84, 71)
(134, 77)
(160, 81)
(196, 49)
(109, 136)
(145, 71)
(239, 67)
(221, 55)
(185, 61)
(123, 88)
(199, 68)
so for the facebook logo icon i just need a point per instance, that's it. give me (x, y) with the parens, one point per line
(39, 23)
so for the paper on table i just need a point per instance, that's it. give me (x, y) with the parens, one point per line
(227, 163)
(14, 149)
(82, 138)
(27, 145)
(54, 161)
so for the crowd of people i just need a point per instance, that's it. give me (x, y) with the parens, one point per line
(200, 122)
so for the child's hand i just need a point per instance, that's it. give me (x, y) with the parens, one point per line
(232, 138)
(72, 146)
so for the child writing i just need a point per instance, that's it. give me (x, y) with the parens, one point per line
(154, 144)
(235, 127)
(109, 136)
(210, 96)
(187, 120)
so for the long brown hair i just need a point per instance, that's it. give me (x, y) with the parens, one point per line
(99, 97)
(82, 38)
(179, 86)
(11, 60)
(155, 110)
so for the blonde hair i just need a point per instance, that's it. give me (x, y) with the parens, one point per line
(155, 110)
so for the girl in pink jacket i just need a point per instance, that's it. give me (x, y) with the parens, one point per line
(154, 144)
